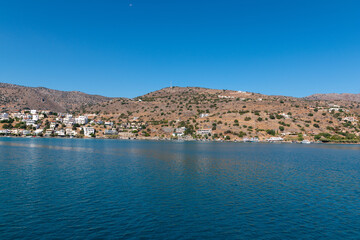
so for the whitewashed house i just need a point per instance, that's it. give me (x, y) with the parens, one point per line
(4, 116)
(350, 119)
(81, 120)
(70, 132)
(179, 132)
(275, 139)
(38, 131)
(35, 117)
(110, 132)
(88, 131)
(204, 131)
(109, 123)
(60, 133)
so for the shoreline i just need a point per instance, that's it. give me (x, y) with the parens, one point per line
(182, 140)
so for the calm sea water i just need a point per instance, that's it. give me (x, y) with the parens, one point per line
(109, 189)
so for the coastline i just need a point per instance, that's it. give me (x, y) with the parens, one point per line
(182, 140)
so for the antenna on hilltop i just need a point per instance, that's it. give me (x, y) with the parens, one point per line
(171, 84)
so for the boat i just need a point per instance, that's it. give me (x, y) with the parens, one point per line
(305, 142)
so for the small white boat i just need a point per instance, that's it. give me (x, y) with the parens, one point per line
(305, 142)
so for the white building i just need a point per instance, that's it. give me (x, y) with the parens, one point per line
(204, 131)
(222, 96)
(109, 123)
(60, 133)
(275, 139)
(38, 131)
(88, 131)
(15, 131)
(81, 120)
(70, 132)
(5, 131)
(4, 116)
(179, 132)
(285, 115)
(68, 120)
(335, 109)
(350, 119)
(30, 122)
(32, 112)
(110, 132)
(53, 125)
(26, 132)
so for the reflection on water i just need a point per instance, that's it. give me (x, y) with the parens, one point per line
(66, 188)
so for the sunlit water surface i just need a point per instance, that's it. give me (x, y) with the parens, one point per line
(71, 188)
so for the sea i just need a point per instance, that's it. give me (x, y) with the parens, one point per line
(54, 188)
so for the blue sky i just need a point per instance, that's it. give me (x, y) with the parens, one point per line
(295, 48)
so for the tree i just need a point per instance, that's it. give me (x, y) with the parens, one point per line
(270, 132)
(300, 137)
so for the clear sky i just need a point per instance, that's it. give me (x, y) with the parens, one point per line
(125, 48)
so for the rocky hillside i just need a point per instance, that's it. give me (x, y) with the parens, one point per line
(232, 113)
(14, 97)
(335, 97)
(228, 114)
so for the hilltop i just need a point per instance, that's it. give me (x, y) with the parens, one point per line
(335, 97)
(14, 97)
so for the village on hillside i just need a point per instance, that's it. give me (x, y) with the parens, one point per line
(194, 114)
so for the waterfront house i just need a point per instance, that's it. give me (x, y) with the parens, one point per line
(60, 133)
(110, 132)
(26, 132)
(38, 131)
(88, 131)
(70, 132)
(49, 132)
(5, 131)
(179, 132)
(275, 139)
(15, 131)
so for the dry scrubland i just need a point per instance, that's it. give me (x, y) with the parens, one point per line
(234, 115)
(230, 115)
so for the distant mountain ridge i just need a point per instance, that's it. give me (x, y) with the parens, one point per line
(16, 97)
(19, 97)
(335, 97)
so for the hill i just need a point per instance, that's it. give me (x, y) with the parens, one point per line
(335, 97)
(232, 113)
(20, 97)
(204, 113)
